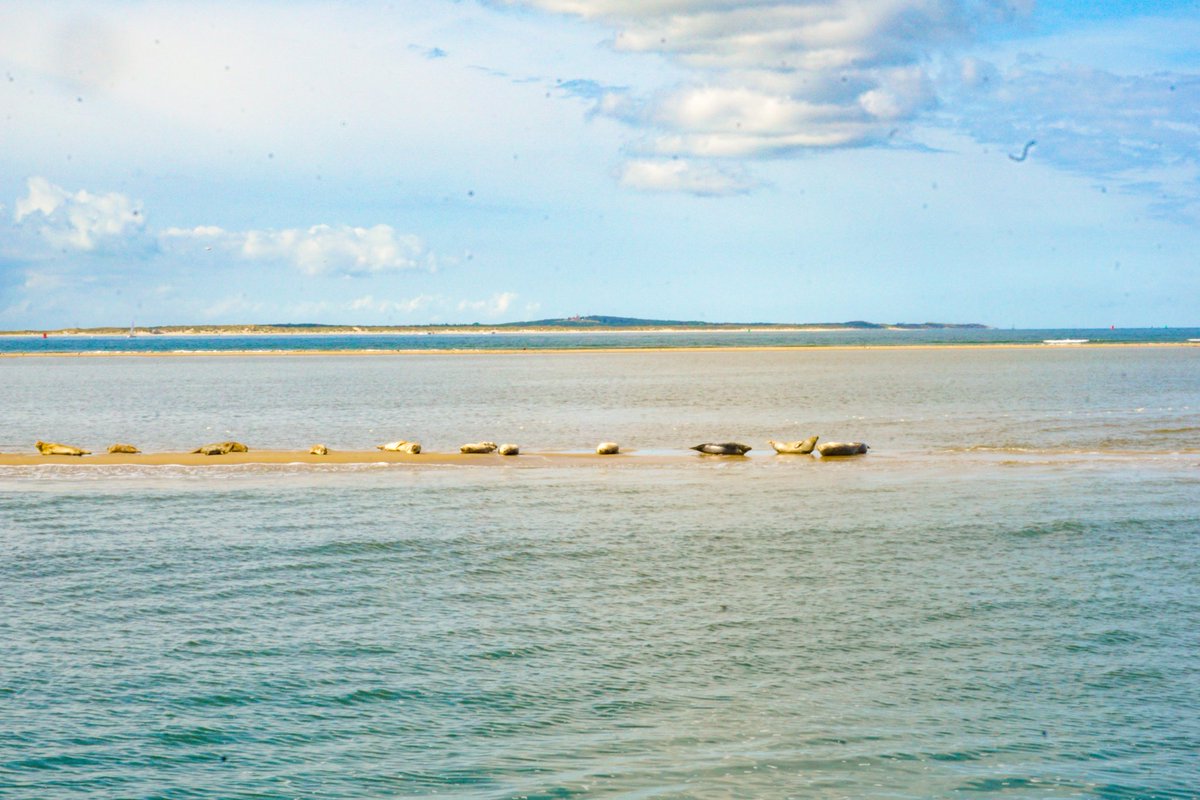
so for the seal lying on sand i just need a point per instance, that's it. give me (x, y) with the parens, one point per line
(318, 450)
(56, 449)
(723, 448)
(607, 448)
(221, 448)
(842, 449)
(123, 448)
(508, 450)
(794, 448)
(402, 446)
(478, 447)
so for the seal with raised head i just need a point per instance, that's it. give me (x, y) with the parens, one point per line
(723, 448)
(607, 448)
(56, 449)
(801, 448)
(123, 448)
(842, 449)
(508, 450)
(318, 450)
(478, 447)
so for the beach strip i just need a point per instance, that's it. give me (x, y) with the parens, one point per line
(337, 457)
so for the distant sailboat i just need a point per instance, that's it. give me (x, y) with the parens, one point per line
(132, 332)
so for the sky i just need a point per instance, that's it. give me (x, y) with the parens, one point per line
(1016, 163)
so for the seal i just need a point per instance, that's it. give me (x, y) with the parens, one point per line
(478, 447)
(607, 449)
(56, 449)
(221, 448)
(508, 450)
(842, 449)
(802, 448)
(123, 448)
(723, 448)
(402, 446)
(318, 450)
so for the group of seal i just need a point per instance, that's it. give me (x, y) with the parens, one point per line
(803, 447)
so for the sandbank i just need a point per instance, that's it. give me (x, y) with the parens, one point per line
(338, 457)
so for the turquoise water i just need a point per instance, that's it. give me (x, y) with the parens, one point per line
(1003, 598)
(577, 341)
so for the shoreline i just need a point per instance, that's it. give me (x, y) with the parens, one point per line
(570, 350)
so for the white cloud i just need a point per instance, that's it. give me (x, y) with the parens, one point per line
(494, 306)
(369, 303)
(233, 304)
(678, 175)
(318, 250)
(78, 220)
(769, 77)
(41, 281)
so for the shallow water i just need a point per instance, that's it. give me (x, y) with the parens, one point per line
(1002, 598)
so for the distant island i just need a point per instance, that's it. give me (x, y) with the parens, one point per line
(577, 323)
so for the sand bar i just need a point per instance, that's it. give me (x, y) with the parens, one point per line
(336, 457)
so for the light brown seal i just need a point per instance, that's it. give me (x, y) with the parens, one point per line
(802, 448)
(123, 448)
(508, 450)
(478, 447)
(221, 448)
(842, 449)
(318, 450)
(56, 449)
(607, 448)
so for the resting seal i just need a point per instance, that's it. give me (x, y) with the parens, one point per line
(123, 448)
(56, 449)
(794, 448)
(723, 448)
(607, 448)
(318, 450)
(842, 449)
(402, 446)
(221, 448)
(478, 447)
(508, 450)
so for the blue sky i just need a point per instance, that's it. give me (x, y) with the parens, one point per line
(429, 162)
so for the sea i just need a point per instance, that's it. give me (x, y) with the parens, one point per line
(1002, 598)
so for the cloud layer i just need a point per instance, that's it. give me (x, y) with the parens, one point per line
(78, 220)
(318, 250)
(769, 78)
